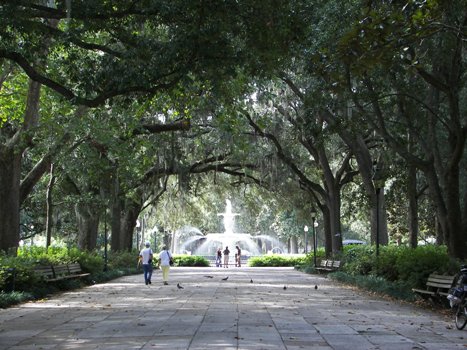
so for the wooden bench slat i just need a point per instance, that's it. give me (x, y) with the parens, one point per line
(423, 291)
(328, 265)
(46, 272)
(440, 281)
(60, 272)
(74, 270)
(436, 285)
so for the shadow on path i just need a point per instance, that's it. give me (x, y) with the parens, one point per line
(255, 308)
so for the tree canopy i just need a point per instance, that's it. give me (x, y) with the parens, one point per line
(114, 110)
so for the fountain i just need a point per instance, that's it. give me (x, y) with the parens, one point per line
(194, 242)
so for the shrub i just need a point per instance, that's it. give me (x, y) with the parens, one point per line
(122, 260)
(190, 260)
(399, 263)
(386, 264)
(44, 256)
(276, 260)
(27, 285)
(359, 259)
(414, 265)
(398, 289)
(8, 299)
(396, 270)
(90, 261)
(16, 273)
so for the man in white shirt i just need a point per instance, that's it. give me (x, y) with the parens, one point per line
(146, 259)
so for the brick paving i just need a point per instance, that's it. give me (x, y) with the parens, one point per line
(256, 308)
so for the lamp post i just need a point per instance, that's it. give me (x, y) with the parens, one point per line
(105, 240)
(378, 183)
(378, 190)
(313, 218)
(138, 230)
(305, 238)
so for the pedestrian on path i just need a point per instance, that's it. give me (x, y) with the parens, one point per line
(226, 256)
(145, 257)
(164, 262)
(238, 255)
(219, 258)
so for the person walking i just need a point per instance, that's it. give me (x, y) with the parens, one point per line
(219, 258)
(226, 256)
(239, 256)
(145, 257)
(164, 262)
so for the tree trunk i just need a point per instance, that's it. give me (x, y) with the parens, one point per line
(457, 243)
(49, 201)
(115, 212)
(379, 218)
(383, 217)
(332, 200)
(128, 223)
(438, 200)
(334, 204)
(88, 223)
(10, 174)
(327, 231)
(293, 246)
(365, 167)
(447, 78)
(413, 205)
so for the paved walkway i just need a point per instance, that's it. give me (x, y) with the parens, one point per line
(256, 308)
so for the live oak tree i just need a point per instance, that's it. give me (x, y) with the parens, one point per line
(315, 159)
(93, 51)
(406, 76)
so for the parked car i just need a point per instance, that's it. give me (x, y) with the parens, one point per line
(352, 241)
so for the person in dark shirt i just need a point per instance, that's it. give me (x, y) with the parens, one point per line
(238, 255)
(219, 258)
(226, 256)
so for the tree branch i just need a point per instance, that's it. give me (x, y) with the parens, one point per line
(53, 13)
(180, 125)
(70, 95)
(280, 152)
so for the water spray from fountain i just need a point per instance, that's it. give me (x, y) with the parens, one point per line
(228, 217)
(194, 242)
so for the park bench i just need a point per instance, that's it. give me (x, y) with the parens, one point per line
(75, 271)
(53, 273)
(437, 286)
(328, 265)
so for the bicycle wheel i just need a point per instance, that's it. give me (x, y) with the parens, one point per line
(461, 315)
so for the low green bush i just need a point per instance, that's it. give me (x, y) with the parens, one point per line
(26, 285)
(277, 260)
(44, 256)
(13, 298)
(399, 263)
(122, 260)
(414, 265)
(190, 260)
(397, 289)
(358, 259)
(91, 262)
(396, 270)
